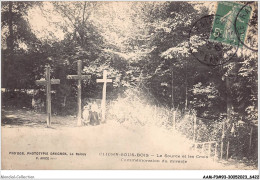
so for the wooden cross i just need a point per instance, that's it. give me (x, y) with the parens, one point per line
(103, 103)
(79, 77)
(48, 82)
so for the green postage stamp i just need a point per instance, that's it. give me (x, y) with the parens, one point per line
(230, 23)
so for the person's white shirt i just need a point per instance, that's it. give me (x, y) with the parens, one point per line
(94, 107)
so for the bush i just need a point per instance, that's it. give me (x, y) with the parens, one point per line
(17, 99)
(133, 109)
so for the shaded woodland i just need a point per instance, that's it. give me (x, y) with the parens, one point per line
(144, 47)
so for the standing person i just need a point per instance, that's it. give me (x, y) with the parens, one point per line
(86, 114)
(94, 114)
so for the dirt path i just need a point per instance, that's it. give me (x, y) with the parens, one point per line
(107, 146)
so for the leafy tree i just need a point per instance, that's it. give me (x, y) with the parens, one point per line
(19, 46)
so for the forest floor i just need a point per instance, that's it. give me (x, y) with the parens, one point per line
(106, 146)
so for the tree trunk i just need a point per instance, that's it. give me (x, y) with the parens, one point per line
(194, 127)
(250, 138)
(10, 47)
(186, 87)
(172, 87)
(222, 139)
(10, 39)
(64, 101)
(227, 155)
(229, 114)
(229, 100)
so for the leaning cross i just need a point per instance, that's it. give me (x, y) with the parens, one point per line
(47, 82)
(79, 77)
(103, 103)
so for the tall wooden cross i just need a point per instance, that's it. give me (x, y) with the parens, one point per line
(48, 82)
(103, 103)
(79, 77)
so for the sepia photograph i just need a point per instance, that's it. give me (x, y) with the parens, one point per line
(131, 85)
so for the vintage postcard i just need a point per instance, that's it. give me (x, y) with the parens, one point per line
(129, 85)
